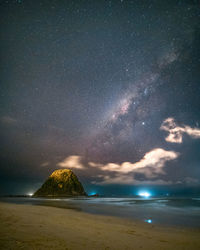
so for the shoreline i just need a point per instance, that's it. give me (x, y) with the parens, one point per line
(45, 227)
(172, 216)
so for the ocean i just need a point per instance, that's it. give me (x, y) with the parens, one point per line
(178, 212)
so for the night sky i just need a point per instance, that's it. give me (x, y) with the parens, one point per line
(110, 89)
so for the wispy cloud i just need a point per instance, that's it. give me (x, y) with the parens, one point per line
(8, 120)
(45, 164)
(190, 180)
(73, 161)
(176, 132)
(118, 179)
(129, 180)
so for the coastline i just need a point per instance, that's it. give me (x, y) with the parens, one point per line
(44, 227)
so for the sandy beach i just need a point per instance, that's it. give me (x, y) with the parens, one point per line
(40, 227)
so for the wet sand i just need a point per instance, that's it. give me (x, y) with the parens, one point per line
(40, 227)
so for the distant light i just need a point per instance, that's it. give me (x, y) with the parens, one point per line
(30, 194)
(149, 221)
(93, 193)
(145, 194)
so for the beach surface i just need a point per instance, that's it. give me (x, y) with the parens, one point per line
(43, 227)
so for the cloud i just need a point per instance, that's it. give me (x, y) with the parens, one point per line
(8, 120)
(118, 179)
(190, 180)
(73, 161)
(150, 166)
(176, 132)
(45, 164)
(155, 159)
(127, 179)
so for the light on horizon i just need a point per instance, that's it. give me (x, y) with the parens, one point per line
(149, 221)
(30, 194)
(93, 193)
(145, 194)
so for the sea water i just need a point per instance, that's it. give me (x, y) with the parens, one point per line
(179, 211)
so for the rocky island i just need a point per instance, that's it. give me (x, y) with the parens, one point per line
(61, 183)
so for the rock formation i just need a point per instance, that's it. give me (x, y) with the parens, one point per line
(61, 183)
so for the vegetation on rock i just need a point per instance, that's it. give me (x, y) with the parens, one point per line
(62, 182)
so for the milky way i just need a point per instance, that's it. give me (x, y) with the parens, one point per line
(133, 109)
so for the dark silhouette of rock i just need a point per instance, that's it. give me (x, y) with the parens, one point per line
(61, 183)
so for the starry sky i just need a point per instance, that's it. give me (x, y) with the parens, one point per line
(110, 89)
